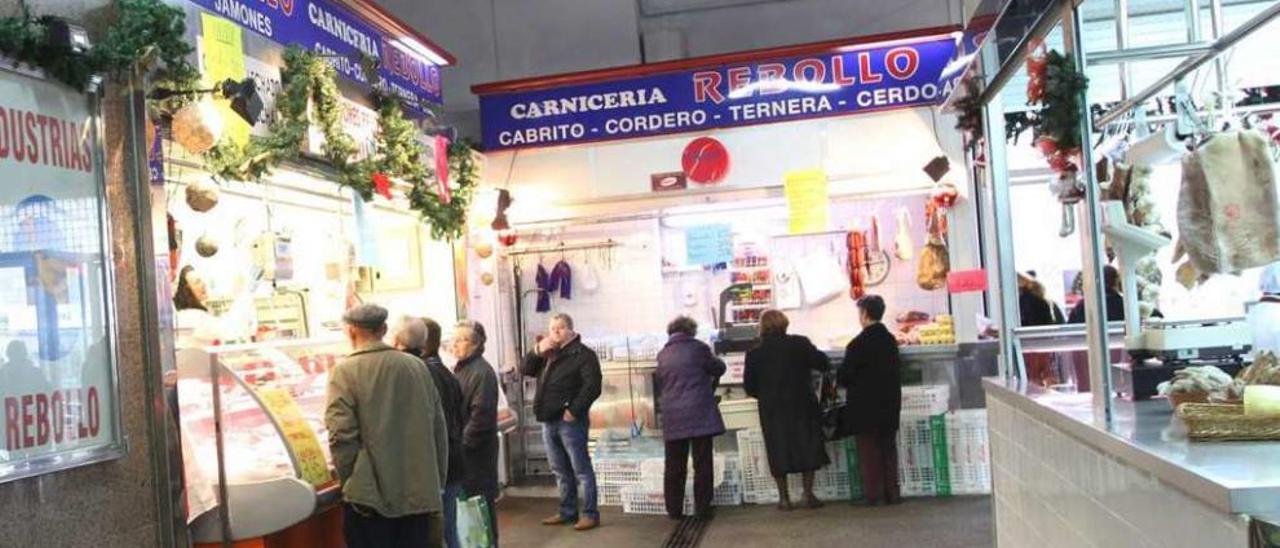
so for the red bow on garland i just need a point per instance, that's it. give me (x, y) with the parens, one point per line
(382, 184)
(442, 168)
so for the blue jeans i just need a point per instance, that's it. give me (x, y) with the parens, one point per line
(451, 492)
(567, 450)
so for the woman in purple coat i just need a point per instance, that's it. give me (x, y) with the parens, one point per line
(687, 376)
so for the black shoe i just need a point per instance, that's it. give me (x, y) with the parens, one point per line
(707, 515)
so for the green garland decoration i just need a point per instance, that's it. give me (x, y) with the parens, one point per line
(146, 31)
(308, 80)
(1059, 117)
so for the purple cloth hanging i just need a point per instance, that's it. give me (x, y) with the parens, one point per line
(544, 292)
(561, 279)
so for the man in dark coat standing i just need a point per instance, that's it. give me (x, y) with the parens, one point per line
(569, 382)
(687, 376)
(479, 416)
(421, 337)
(871, 374)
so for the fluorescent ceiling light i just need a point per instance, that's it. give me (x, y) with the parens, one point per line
(426, 53)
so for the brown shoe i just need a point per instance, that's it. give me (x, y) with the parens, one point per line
(556, 520)
(586, 524)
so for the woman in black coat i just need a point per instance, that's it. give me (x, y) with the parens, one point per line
(871, 374)
(779, 374)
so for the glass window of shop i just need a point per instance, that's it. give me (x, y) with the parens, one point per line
(57, 380)
(1056, 261)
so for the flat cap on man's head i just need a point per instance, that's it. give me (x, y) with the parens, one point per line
(367, 316)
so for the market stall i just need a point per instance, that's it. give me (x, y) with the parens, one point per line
(1137, 139)
(717, 188)
(303, 174)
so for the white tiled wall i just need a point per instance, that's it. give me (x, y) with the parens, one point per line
(1053, 490)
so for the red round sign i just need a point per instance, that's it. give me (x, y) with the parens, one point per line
(705, 161)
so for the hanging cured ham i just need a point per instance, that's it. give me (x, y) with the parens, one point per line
(935, 260)
(1227, 214)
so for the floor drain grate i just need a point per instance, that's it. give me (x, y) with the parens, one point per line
(687, 534)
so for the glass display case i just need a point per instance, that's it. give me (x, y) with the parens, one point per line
(254, 439)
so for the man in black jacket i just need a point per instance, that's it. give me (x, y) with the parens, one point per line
(421, 337)
(871, 373)
(568, 376)
(479, 415)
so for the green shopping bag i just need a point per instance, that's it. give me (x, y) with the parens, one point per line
(473, 523)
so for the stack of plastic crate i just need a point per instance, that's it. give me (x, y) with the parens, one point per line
(922, 450)
(619, 467)
(646, 496)
(929, 399)
(969, 459)
(920, 437)
(832, 482)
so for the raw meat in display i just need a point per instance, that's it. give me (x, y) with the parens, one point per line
(856, 243)
(1227, 213)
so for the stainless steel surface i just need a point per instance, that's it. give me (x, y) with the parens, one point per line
(1233, 477)
(1146, 53)
(1218, 46)
(1217, 22)
(1122, 45)
(1192, 12)
(1092, 244)
(165, 446)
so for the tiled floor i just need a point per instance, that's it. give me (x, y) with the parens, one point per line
(959, 522)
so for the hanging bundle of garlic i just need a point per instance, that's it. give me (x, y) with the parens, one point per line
(1141, 209)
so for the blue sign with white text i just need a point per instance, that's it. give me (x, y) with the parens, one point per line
(855, 79)
(328, 29)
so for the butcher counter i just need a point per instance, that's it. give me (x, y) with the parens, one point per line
(959, 366)
(1060, 478)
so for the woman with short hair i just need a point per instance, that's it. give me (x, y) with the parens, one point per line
(779, 374)
(687, 376)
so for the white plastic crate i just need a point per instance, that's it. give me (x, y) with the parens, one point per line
(830, 482)
(968, 452)
(930, 399)
(617, 470)
(640, 499)
(917, 471)
(740, 414)
(609, 494)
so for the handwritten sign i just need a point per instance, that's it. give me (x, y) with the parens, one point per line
(807, 200)
(967, 281)
(298, 435)
(222, 54)
(708, 244)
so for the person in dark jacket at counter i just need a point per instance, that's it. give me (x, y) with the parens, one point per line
(778, 373)
(421, 337)
(569, 382)
(1034, 309)
(1115, 300)
(686, 377)
(871, 374)
(479, 416)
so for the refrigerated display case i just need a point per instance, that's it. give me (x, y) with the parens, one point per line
(255, 443)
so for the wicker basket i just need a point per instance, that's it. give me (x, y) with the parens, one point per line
(1179, 398)
(1226, 422)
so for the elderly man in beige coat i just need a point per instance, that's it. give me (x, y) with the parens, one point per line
(388, 439)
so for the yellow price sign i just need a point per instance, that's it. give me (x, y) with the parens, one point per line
(222, 54)
(298, 435)
(808, 201)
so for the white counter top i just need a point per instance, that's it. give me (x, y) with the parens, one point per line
(1234, 477)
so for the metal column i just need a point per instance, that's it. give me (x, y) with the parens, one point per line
(1091, 241)
(1001, 209)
